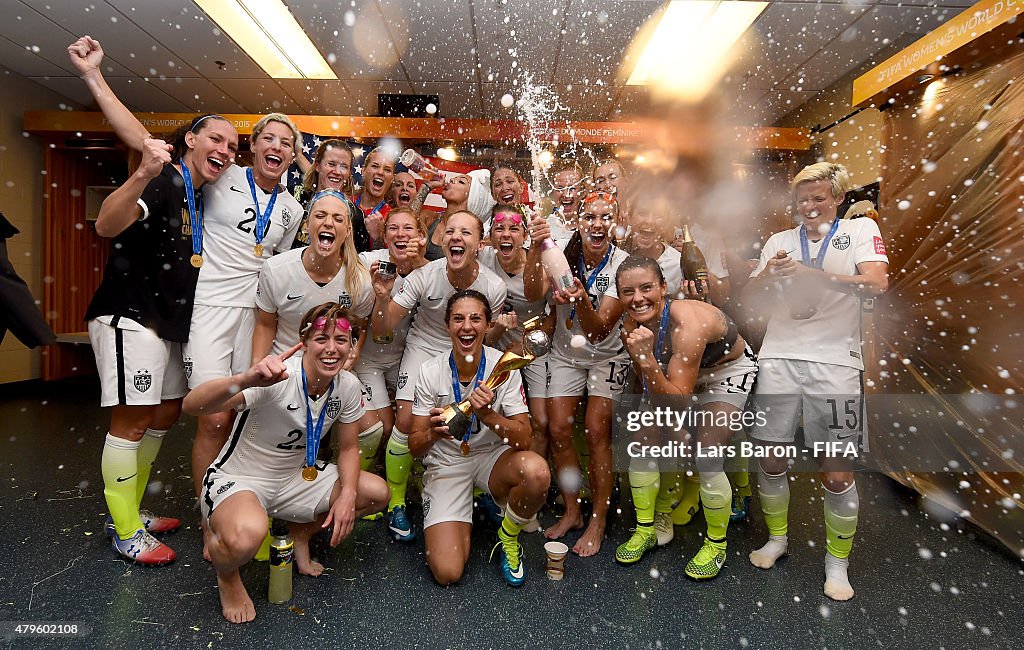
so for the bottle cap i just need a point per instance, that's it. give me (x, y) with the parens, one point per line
(279, 528)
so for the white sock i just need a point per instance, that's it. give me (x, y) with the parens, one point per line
(766, 556)
(837, 584)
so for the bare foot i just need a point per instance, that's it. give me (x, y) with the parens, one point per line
(235, 603)
(564, 525)
(590, 543)
(206, 554)
(306, 565)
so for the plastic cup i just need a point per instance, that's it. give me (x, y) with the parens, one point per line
(556, 552)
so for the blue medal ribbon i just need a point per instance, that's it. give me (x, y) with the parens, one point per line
(592, 276)
(375, 209)
(805, 248)
(662, 328)
(457, 388)
(313, 433)
(195, 209)
(262, 218)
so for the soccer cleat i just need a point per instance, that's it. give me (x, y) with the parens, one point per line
(143, 548)
(684, 513)
(491, 508)
(154, 525)
(510, 553)
(644, 539)
(707, 562)
(399, 527)
(740, 507)
(373, 516)
(663, 527)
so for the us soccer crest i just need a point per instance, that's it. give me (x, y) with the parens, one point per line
(841, 243)
(602, 283)
(333, 408)
(345, 300)
(403, 379)
(286, 217)
(188, 367)
(143, 380)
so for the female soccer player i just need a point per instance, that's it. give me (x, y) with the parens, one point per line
(810, 360)
(381, 357)
(140, 316)
(680, 348)
(331, 169)
(247, 218)
(372, 200)
(426, 290)
(493, 456)
(584, 358)
(269, 465)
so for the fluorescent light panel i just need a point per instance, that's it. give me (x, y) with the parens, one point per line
(689, 49)
(268, 32)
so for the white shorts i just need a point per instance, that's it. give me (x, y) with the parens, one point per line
(535, 379)
(730, 382)
(598, 379)
(136, 367)
(412, 360)
(219, 343)
(291, 499)
(378, 384)
(449, 481)
(828, 396)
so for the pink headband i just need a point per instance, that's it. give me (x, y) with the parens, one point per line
(341, 323)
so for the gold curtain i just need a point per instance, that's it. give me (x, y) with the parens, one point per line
(946, 348)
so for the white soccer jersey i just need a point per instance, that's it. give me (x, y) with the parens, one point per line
(670, 268)
(516, 298)
(832, 335)
(375, 354)
(268, 438)
(712, 248)
(287, 290)
(434, 389)
(230, 266)
(603, 285)
(427, 290)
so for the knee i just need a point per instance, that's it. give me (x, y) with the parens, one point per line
(837, 482)
(598, 435)
(446, 573)
(536, 476)
(214, 425)
(374, 492)
(243, 536)
(166, 415)
(773, 466)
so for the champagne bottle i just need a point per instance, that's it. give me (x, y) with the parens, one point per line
(418, 164)
(691, 260)
(281, 550)
(557, 267)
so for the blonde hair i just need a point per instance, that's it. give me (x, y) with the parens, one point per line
(356, 274)
(837, 176)
(312, 175)
(283, 119)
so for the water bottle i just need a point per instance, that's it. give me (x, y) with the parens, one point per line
(281, 551)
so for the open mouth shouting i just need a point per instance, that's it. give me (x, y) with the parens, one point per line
(214, 166)
(467, 341)
(597, 239)
(325, 242)
(273, 163)
(506, 249)
(335, 181)
(456, 253)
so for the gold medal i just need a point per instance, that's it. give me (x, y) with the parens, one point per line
(196, 260)
(309, 473)
(258, 250)
(568, 323)
(465, 448)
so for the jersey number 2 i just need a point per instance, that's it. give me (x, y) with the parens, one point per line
(244, 226)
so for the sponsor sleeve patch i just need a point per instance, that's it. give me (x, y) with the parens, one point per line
(879, 246)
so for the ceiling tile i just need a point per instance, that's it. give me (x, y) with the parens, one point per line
(318, 97)
(456, 99)
(259, 95)
(516, 37)
(597, 33)
(356, 38)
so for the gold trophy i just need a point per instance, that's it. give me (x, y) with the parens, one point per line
(536, 343)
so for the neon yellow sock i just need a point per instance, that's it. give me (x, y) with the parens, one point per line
(690, 501)
(740, 483)
(670, 492)
(512, 524)
(716, 498)
(841, 511)
(149, 447)
(369, 441)
(774, 492)
(120, 469)
(644, 486)
(398, 464)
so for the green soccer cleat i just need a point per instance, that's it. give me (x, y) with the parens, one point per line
(708, 561)
(644, 539)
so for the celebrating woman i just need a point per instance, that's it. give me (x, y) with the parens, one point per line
(681, 348)
(331, 169)
(140, 316)
(269, 467)
(425, 290)
(584, 359)
(493, 455)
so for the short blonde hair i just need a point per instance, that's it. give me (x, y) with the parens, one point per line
(283, 119)
(837, 176)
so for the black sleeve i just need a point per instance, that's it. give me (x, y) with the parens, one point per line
(362, 238)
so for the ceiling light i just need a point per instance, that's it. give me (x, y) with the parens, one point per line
(267, 32)
(448, 153)
(685, 49)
